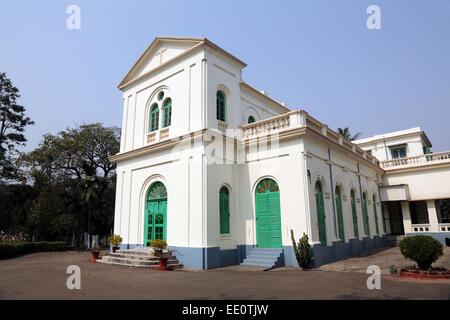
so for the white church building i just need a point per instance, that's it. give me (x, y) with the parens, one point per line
(223, 172)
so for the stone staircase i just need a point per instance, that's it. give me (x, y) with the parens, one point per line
(264, 257)
(140, 257)
(394, 241)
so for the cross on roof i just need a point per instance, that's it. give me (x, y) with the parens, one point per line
(160, 52)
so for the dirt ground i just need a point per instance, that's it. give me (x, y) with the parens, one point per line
(43, 276)
(384, 259)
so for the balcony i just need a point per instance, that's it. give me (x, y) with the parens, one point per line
(417, 161)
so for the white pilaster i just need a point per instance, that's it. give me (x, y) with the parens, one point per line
(432, 216)
(406, 216)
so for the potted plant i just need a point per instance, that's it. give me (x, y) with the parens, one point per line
(95, 254)
(158, 248)
(115, 240)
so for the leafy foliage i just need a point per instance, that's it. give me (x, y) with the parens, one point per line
(424, 250)
(9, 250)
(115, 240)
(347, 135)
(302, 250)
(12, 126)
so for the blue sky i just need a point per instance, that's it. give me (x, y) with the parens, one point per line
(312, 55)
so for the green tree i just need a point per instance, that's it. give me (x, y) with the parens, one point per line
(347, 135)
(75, 162)
(12, 126)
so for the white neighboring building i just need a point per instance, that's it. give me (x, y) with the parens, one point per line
(416, 192)
(223, 172)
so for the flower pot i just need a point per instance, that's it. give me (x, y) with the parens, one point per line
(95, 256)
(163, 265)
(114, 249)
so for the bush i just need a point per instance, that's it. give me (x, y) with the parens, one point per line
(12, 249)
(424, 250)
(302, 251)
(115, 240)
(158, 244)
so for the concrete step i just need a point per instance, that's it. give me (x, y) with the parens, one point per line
(172, 265)
(136, 262)
(264, 257)
(134, 256)
(138, 257)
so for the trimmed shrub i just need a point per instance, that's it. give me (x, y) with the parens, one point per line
(12, 249)
(424, 250)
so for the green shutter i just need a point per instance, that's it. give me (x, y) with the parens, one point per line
(167, 112)
(355, 216)
(154, 118)
(366, 217)
(156, 214)
(376, 215)
(268, 214)
(220, 104)
(321, 215)
(340, 216)
(224, 203)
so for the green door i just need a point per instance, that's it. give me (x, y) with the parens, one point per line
(155, 214)
(339, 214)
(366, 215)
(375, 214)
(354, 215)
(268, 217)
(321, 214)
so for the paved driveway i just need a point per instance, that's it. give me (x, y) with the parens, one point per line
(43, 276)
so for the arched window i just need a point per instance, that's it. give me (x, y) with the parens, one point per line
(224, 210)
(154, 117)
(340, 216)
(251, 119)
(220, 106)
(320, 206)
(366, 215)
(375, 213)
(354, 214)
(167, 112)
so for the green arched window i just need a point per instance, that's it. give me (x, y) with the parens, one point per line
(354, 214)
(366, 215)
(154, 117)
(320, 206)
(224, 210)
(220, 106)
(251, 119)
(340, 215)
(375, 213)
(167, 112)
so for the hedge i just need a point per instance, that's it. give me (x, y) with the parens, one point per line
(9, 250)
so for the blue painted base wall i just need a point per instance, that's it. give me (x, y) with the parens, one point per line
(210, 258)
(440, 236)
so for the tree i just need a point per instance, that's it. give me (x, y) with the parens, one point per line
(347, 135)
(75, 165)
(12, 126)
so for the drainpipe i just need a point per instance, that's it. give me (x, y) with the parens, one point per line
(332, 196)
(362, 201)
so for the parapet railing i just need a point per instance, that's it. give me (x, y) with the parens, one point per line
(424, 159)
(300, 118)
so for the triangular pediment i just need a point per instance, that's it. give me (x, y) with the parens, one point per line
(161, 50)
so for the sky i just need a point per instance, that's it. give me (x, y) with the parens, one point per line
(315, 55)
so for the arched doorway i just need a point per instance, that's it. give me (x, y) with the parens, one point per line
(320, 205)
(268, 215)
(155, 213)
